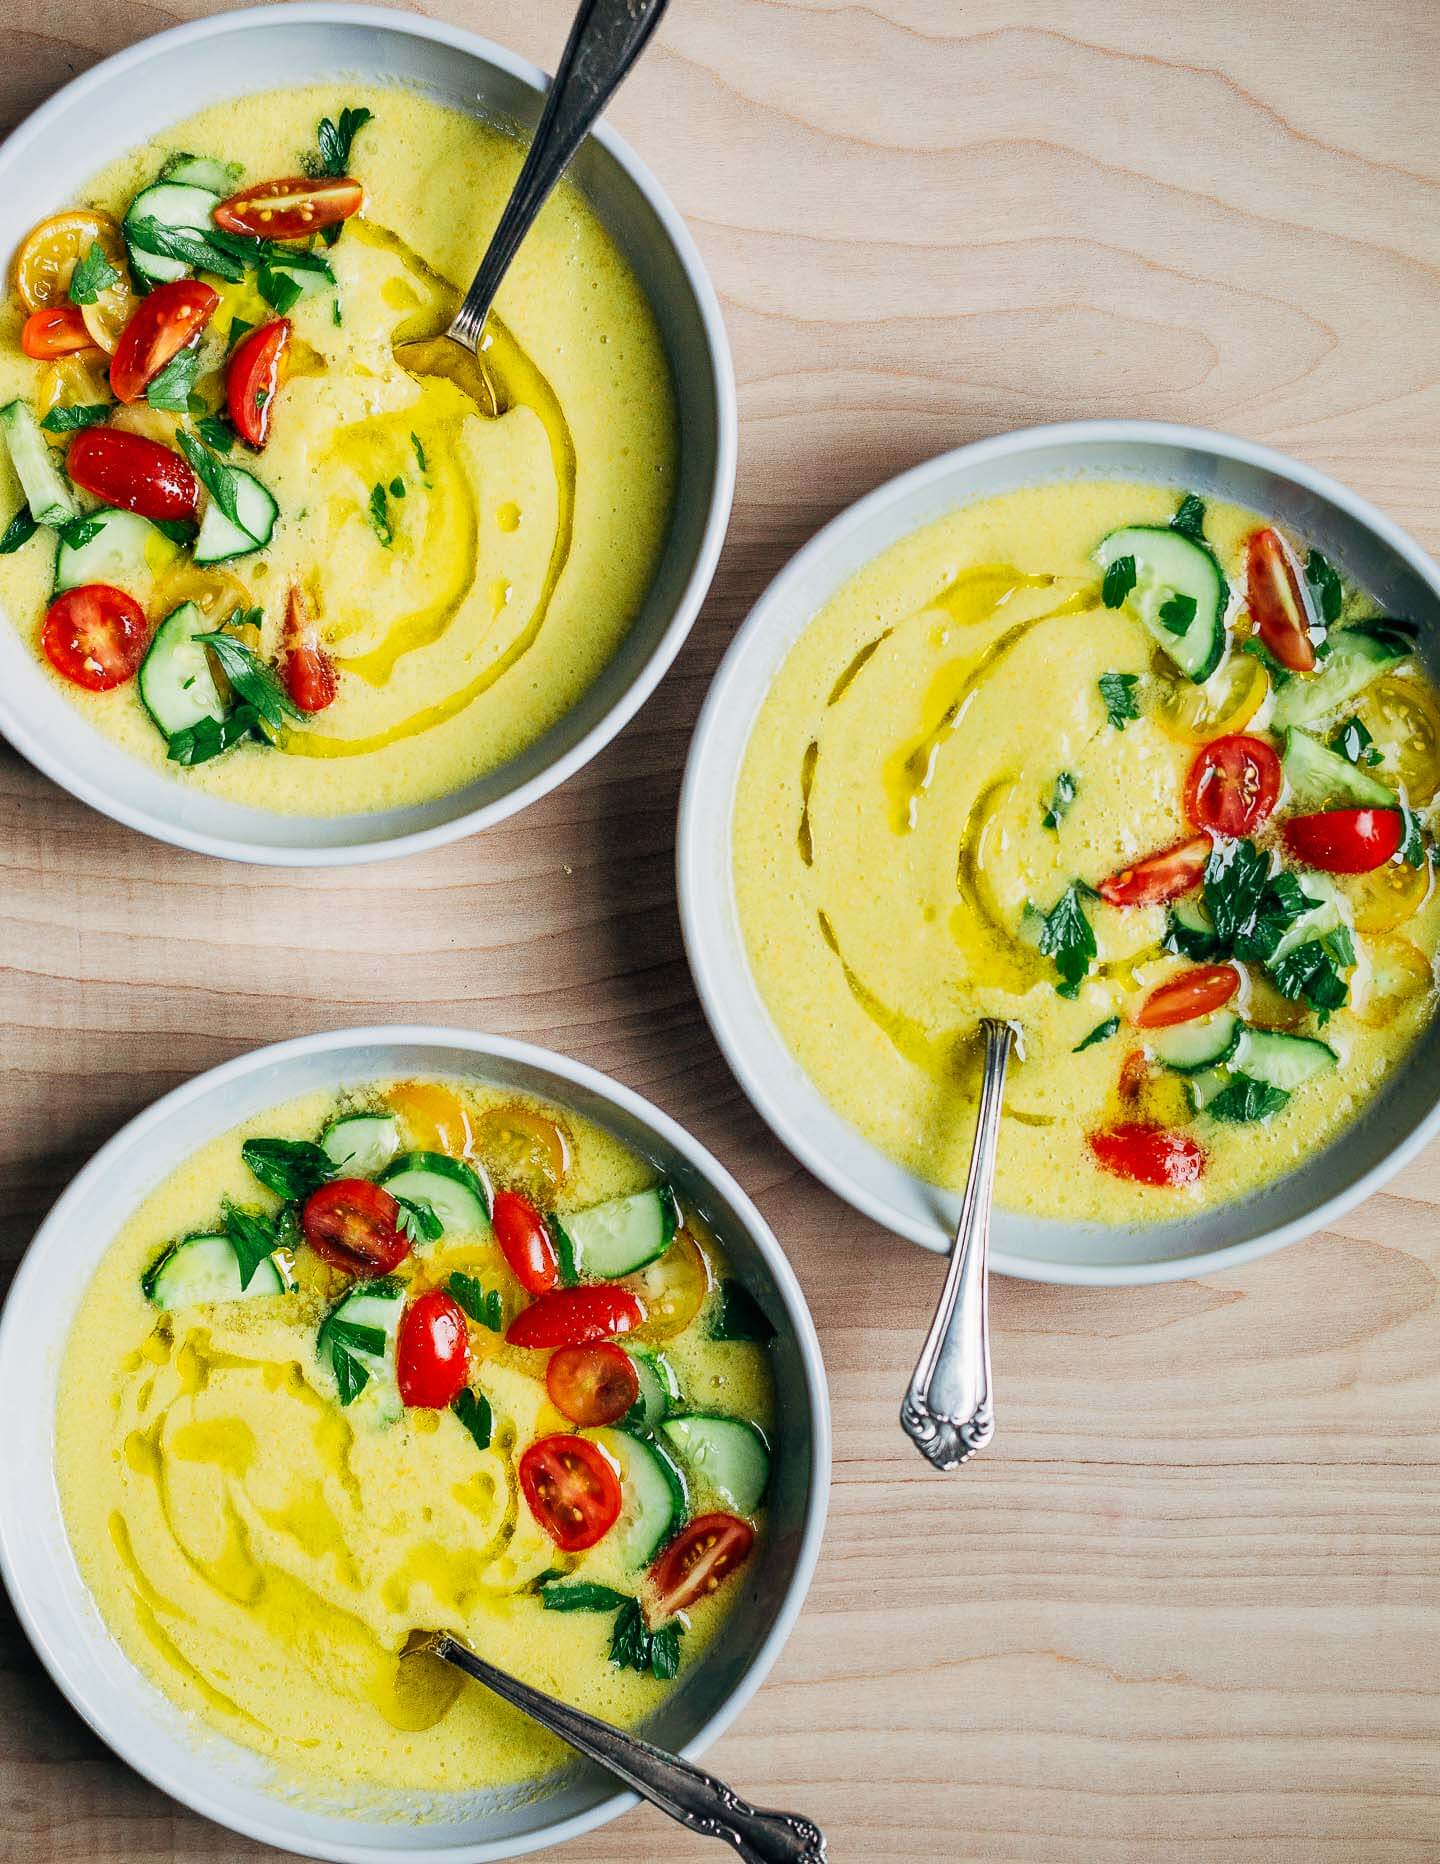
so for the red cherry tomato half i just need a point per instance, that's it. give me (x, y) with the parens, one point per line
(1196, 992)
(1159, 877)
(1234, 784)
(307, 670)
(432, 1351)
(701, 1555)
(521, 1233)
(1148, 1154)
(573, 1491)
(1277, 601)
(351, 1224)
(594, 1384)
(575, 1317)
(59, 330)
(95, 635)
(162, 324)
(252, 377)
(132, 472)
(290, 209)
(1346, 841)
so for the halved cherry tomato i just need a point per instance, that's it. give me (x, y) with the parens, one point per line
(1159, 877)
(1134, 1073)
(1346, 841)
(171, 316)
(701, 1555)
(134, 473)
(1196, 992)
(95, 635)
(1275, 595)
(307, 670)
(252, 377)
(575, 1317)
(353, 1225)
(1148, 1154)
(573, 1491)
(51, 251)
(1233, 785)
(672, 1288)
(292, 208)
(523, 1238)
(59, 331)
(432, 1351)
(594, 1384)
(526, 1145)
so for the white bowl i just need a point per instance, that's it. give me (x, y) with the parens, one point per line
(212, 1774)
(1367, 546)
(140, 92)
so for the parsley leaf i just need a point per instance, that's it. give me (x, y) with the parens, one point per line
(1102, 1032)
(1341, 946)
(1310, 971)
(582, 1596)
(69, 420)
(93, 274)
(75, 533)
(633, 1646)
(397, 487)
(482, 1305)
(1118, 692)
(380, 516)
(419, 453)
(1189, 520)
(253, 1238)
(21, 528)
(739, 1316)
(336, 139)
(1243, 1098)
(417, 1220)
(201, 251)
(1412, 847)
(219, 480)
(277, 288)
(1325, 584)
(256, 684)
(240, 328)
(208, 737)
(1061, 798)
(350, 1375)
(1279, 676)
(473, 1410)
(565, 1249)
(1235, 876)
(1190, 941)
(1354, 742)
(359, 1338)
(172, 388)
(180, 531)
(216, 433)
(291, 1168)
(1177, 613)
(1066, 936)
(1119, 580)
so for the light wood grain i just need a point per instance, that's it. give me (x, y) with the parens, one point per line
(1187, 1608)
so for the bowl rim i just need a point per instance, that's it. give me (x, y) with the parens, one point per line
(21, 146)
(717, 988)
(127, 1737)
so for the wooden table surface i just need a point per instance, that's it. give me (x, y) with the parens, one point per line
(1188, 1605)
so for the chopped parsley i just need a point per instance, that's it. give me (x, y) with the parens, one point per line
(291, 1168)
(21, 528)
(481, 1304)
(1102, 1032)
(1279, 676)
(633, 1646)
(739, 1316)
(336, 139)
(1177, 613)
(1067, 937)
(1118, 581)
(1412, 846)
(209, 737)
(380, 516)
(1061, 798)
(93, 274)
(473, 1410)
(582, 1596)
(1311, 971)
(1325, 585)
(253, 1238)
(172, 388)
(216, 433)
(82, 414)
(277, 288)
(1354, 743)
(75, 533)
(417, 1220)
(1243, 1098)
(1189, 520)
(419, 454)
(255, 683)
(1118, 692)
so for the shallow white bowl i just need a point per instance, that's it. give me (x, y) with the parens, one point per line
(212, 1774)
(140, 92)
(1367, 546)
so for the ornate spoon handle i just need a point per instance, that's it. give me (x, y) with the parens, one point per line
(697, 1799)
(947, 1411)
(606, 39)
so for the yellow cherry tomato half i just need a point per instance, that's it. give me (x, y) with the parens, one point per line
(524, 1147)
(672, 1289)
(1405, 727)
(77, 381)
(1387, 896)
(52, 250)
(1226, 703)
(215, 592)
(1400, 974)
(435, 1118)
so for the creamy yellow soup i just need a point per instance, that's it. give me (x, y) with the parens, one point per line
(472, 568)
(898, 840)
(262, 1551)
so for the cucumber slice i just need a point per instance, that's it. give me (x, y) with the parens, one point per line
(378, 1307)
(728, 1453)
(220, 539)
(457, 1193)
(1329, 911)
(1169, 564)
(1201, 1089)
(46, 489)
(1189, 1048)
(1320, 778)
(1354, 660)
(176, 683)
(201, 171)
(659, 1390)
(361, 1144)
(654, 1491)
(173, 204)
(116, 554)
(1283, 1060)
(204, 1269)
(620, 1236)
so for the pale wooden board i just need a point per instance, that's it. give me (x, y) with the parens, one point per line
(1188, 1607)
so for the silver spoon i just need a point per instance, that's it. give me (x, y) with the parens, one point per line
(948, 1411)
(695, 1798)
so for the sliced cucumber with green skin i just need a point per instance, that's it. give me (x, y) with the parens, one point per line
(201, 171)
(1320, 778)
(1329, 911)
(176, 682)
(173, 204)
(380, 1306)
(1168, 564)
(728, 1453)
(655, 1496)
(361, 1144)
(1189, 1048)
(46, 489)
(116, 554)
(1354, 660)
(456, 1193)
(620, 1236)
(1281, 1060)
(205, 1269)
(659, 1390)
(220, 538)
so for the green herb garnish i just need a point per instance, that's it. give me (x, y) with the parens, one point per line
(1355, 744)
(253, 1238)
(1243, 1098)
(21, 528)
(1326, 587)
(473, 1410)
(277, 288)
(175, 384)
(1177, 613)
(291, 1168)
(217, 434)
(219, 480)
(208, 737)
(1118, 692)
(481, 1304)
(1067, 937)
(336, 139)
(202, 251)
(1061, 798)
(1412, 846)
(92, 274)
(582, 1596)
(419, 454)
(739, 1316)
(1310, 971)
(1189, 520)
(417, 1220)
(1396, 636)
(75, 533)
(1102, 1032)
(69, 420)
(1279, 676)
(633, 1646)
(380, 516)
(1118, 581)
(256, 684)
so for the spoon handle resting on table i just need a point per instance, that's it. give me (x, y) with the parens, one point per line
(606, 39)
(697, 1799)
(948, 1411)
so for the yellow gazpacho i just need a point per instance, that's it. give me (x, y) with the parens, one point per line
(431, 1358)
(1144, 776)
(269, 529)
